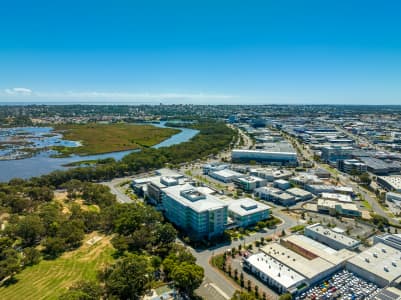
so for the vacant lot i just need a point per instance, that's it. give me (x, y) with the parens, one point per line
(49, 279)
(104, 138)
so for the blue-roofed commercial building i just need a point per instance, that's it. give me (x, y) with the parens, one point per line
(199, 214)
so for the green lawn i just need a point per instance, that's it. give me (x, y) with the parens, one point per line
(103, 138)
(49, 279)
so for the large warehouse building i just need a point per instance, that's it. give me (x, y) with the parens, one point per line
(273, 156)
(380, 264)
(296, 263)
(327, 236)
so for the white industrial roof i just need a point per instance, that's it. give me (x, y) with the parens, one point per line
(333, 235)
(337, 197)
(306, 267)
(393, 180)
(325, 252)
(284, 275)
(382, 260)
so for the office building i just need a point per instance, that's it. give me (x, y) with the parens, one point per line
(249, 183)
(299, 194)
(351, 166)
(281, 184)
(275, 195)
(200, 215)
(334, 208)
(245, 212)
(335, 153)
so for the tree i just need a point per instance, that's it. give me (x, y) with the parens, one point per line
(243, 296)
(31, 256)
(286, 296)
(9, 262)
(54, 246)
(129, 278)
(365, 178)
(187, 277)
(83, 290)
(30, 229)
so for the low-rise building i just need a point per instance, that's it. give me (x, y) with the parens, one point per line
(282, 184)
(271, 174)
(352, 166)
(333, 208)
(380, 264)
(213, 167)
(394, 197)
(304, 260)
(225, 175)
(249, 183)
(391, 183)
(246, 211)
(300, 194)
(335, 153)
(270, 271)
(336, 197)
(392, 240)
(265, 157)
(331, 238)
(275, 195)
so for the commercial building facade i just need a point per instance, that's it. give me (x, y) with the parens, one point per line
(265, 157)
(200, 215)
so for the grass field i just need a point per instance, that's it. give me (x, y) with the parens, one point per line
(49, 279)
(103, 138)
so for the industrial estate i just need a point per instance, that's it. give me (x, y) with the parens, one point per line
(285, 206)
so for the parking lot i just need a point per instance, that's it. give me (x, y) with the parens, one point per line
(344, 286)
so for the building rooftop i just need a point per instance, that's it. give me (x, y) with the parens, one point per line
(337, 197)
(333, 203)
(266, 264)
(320, 250)
(300, 264)
(250, 179)
(381, 260)
(246, 206)
(227, 173)
(298, 192)
(329, 233)
(265, 151)
(393, 180)
(190, 196)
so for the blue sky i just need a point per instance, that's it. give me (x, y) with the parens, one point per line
(260, 52)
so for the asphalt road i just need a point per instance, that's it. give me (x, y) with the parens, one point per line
(212, 275)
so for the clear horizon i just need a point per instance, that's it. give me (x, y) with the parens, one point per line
(229, 52)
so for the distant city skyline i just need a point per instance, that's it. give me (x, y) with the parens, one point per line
(209, 52)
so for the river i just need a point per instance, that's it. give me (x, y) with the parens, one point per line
(43, 164)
